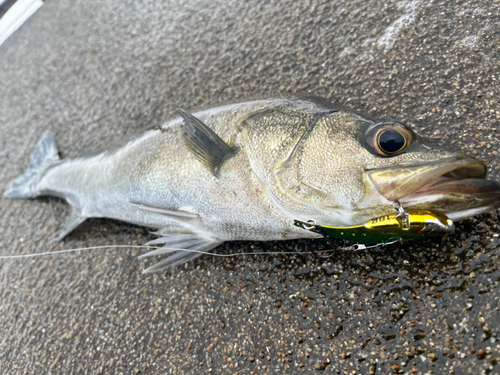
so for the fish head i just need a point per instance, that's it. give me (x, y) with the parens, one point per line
(341, 169)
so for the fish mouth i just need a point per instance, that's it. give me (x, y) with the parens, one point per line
(455, 186)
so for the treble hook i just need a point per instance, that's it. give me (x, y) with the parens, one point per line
(404, 218)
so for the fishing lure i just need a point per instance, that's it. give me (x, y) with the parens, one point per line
(380, 231)
(402, 224)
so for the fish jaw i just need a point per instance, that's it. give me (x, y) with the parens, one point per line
(458, 199)
(455, 186)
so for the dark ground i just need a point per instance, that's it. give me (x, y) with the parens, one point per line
(96, 72)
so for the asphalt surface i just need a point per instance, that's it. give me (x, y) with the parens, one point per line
(101, 72)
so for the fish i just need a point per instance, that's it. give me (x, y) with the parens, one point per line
(252, 170)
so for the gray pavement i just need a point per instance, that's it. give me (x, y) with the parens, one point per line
(100, 72)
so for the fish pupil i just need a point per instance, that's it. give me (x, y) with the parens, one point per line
(391, 141)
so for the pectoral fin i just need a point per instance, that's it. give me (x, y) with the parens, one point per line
(205, 144)
(180, 221)
(176, 214)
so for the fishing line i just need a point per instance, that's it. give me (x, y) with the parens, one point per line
(400, 222)
(357, 247)
(74, 250)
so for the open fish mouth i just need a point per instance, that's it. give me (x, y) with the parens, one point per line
(455, 186)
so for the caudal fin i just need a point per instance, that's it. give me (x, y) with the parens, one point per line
(44, 155)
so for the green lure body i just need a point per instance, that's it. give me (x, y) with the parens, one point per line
(412, 225)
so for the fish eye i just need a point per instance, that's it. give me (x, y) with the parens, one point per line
(388, 138)
(391, 141)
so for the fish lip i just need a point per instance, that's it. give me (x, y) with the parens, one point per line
(395, 184)
(458, 198)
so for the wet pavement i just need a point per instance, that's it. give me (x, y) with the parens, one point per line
(97, 73)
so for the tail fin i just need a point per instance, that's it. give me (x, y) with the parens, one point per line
(44, 155)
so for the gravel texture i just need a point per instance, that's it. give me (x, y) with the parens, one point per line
(100, 72)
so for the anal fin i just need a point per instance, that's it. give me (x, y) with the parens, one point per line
(73, 220)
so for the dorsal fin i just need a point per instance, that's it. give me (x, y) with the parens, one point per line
(204, 143)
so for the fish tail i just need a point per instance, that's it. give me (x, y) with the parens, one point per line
(44, 155)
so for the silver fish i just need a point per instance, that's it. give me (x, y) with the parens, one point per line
(246, 171)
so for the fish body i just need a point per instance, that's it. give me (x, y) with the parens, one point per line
(247, 171)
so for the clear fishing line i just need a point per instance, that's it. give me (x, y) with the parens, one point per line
(357, 247)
